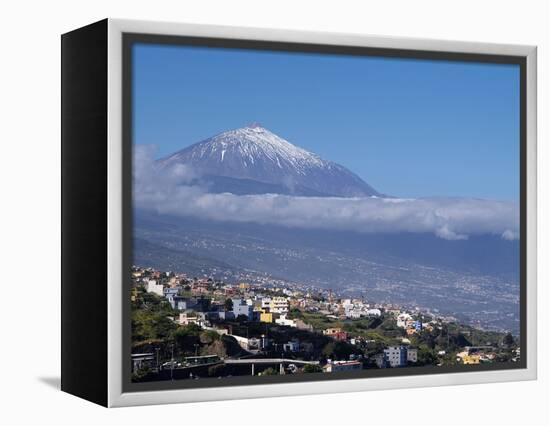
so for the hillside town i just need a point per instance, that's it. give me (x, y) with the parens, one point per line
(197, 327)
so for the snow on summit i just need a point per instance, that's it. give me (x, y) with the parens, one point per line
(253, 154)
(250, 143)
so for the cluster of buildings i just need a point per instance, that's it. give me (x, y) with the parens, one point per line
(251, 304)
(357, 309)
(472, 355)
(261, 309)
(256, 345)
(326, 303)
(411, 325)
(226, 301)
(207, 303)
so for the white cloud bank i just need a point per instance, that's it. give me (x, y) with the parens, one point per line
(172, 192)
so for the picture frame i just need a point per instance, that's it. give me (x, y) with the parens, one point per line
(98, 131)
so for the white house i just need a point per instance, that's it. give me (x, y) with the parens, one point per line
(354, 313)
(403, 320)
(186, 319)
(153, 287)
(412, 355)
(277, 305)
(283, 320)
(266, 302)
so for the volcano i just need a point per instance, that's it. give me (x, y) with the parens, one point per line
(254, 160)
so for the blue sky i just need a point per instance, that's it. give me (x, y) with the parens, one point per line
(409, 128)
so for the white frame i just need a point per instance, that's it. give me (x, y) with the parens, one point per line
(116, 396)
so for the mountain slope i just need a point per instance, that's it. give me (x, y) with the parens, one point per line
(475, 279)
(254, 160)
(159, 256)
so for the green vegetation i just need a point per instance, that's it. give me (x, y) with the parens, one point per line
(152, 318)
(269, 372)
(228, 305)
(340, 350)
(154, 330)
(311, 368)
(381, 329)
(508, 340)
(318, 321)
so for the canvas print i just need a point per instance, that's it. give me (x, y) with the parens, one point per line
(321, 215)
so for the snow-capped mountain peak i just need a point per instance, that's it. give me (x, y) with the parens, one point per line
(255, 153)
(255, 142)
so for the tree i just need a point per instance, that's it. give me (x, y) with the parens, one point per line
(428, 338)
(151, 318)
(508, 340)
(269, 372)
(374, 348)
(426, 356)
(312, 368)
(338, 350)
(228, 305)
(242, 318)
(186, 338)
(215, 348)
(209, 336)
(462, 341)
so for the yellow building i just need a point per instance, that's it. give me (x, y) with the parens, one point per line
(470, 359)
(266, 317)
(244, 286)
